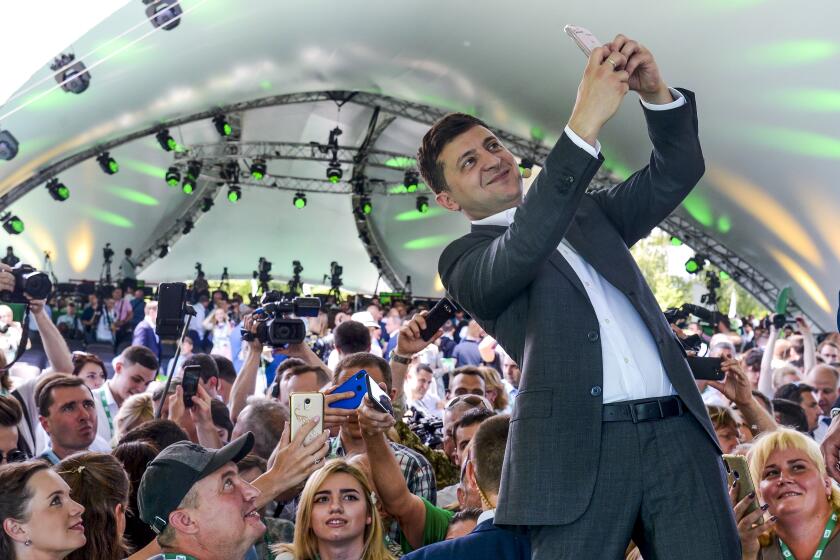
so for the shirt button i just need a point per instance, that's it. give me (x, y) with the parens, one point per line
(593, 336)
(607, 321)
(569, 179)
(626, 360)
(595, 391)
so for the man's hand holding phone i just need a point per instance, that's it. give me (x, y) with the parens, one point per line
(410, 341)
(371, 419)
(336, 416)
(644, 76)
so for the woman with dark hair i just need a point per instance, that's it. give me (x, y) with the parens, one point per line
(135, 456)
(40, 520)
(99, 483)
(90, 368)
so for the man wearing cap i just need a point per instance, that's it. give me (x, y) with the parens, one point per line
(197, 503)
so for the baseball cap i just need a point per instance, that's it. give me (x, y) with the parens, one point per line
(365, 318)
(171, 474)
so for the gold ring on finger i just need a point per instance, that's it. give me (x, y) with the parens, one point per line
(611, 61)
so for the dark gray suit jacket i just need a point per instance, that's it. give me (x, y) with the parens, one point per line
(516, 284)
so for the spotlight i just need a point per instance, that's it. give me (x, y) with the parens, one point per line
(166, 141)
(173, 176)
(222, 125)
(72, 76)
(422, 204)
(8, 145)
(164, 250)
(57, 190)
(108, 164)
(334, 171)
(164, 13)
(676, 241)
(188, 186)
(191, 177)
(525, 167)
(299, 200)
(365, 206)
(234, 193)
(188, 226)
(206, 204)
(411, 180)
(258, 169)
(695, 264)
(12, 224)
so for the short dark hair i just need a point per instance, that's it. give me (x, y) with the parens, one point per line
(793, 391)
(488, 452)
(140, 355)
(790, 414)
(435, 140)
(44, 393)
(10, 412)
(753, 358)
(351, 337)
(208, 368)
(319, 371)
(252, 461)
(467, 370)
(288, 363)
(764, 400)
(160, 433)
(469, 514)
(265, 418)
(226, 370)
(221, 416)
(471, 418)
(81, 359)
(362, 360)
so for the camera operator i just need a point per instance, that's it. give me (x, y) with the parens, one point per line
(10, 258)
(128, 272)
(200, 283)
(103, 322)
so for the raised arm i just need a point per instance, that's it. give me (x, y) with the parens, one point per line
(246, 381)
(765, 375)
(736, 387)
(55, 347)
(409, 342)
(809, 354)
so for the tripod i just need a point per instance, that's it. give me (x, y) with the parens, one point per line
(225, 282)
(105, 274)
(48, 267)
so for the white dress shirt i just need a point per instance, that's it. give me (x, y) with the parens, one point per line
(104, 428)
(631, 363)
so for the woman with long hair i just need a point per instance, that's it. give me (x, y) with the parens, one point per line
(804, 502)
(336, 518)
(135, 457)
(494, 390)
(221, 328)
(99, 483)
(40, 519)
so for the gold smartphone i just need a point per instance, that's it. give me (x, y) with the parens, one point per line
(303, 407)
(738, 464)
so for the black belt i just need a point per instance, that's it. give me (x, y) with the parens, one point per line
(643, 410)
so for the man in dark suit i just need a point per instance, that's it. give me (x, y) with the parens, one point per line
(144, 332)
(609, 436)
(483, 475)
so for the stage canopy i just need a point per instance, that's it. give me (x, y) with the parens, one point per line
(283, 75)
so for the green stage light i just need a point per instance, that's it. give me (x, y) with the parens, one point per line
(258, 170)
(234, 193)
(422, 204)
(299, 200)
(334, 172)
(695, 264)
(724, 275)
(108, 164)
(365, 207)
(167, 143)
(188, 186)
(676, 241)
(411, 180)
(12, 224)
(222, 125)
(57, 190)
(173, 176)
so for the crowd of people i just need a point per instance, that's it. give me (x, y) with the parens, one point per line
(88, 471)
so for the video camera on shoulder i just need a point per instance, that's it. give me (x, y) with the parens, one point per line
(30, 281)
(275, 326)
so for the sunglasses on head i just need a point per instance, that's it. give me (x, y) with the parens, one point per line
(13, 456)
(474, 400)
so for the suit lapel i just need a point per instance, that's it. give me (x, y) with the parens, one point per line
(587, 247)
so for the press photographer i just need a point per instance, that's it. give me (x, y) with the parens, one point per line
(22, 284)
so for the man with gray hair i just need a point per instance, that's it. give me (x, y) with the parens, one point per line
(265, 418)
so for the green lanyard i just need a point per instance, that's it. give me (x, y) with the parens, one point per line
(829, 528)
(107, 411)
(176, 556)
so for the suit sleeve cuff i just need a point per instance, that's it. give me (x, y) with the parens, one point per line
(583, 144)
(678, 101)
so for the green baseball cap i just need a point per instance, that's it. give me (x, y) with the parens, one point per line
(171, 474)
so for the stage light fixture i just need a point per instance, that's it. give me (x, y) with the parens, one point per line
(188, 226)
(207, 204)
(676, 241)
(58, 191)
(72, 76)
(334, 171)
(299, 200)
(411, 180)
(108, 164)
(695, 264)
(188, 186)
(8, 145)
(12, 224)
(173, 176)
(365, 205)
(234, 193)
(525, 167)
(258, 170)
(422, 204)
(164, 250)
(167, 143)
(165, 14)
(222, 125)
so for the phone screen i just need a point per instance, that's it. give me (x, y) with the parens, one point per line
(192, 374)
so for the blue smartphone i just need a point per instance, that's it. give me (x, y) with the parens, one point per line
(356, 385)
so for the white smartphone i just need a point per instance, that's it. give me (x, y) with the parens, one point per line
(583, 38)
(305, 406)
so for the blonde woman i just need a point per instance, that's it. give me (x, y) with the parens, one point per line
(495, 390)
(336, 518)
(137, 409)
(802, 500)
